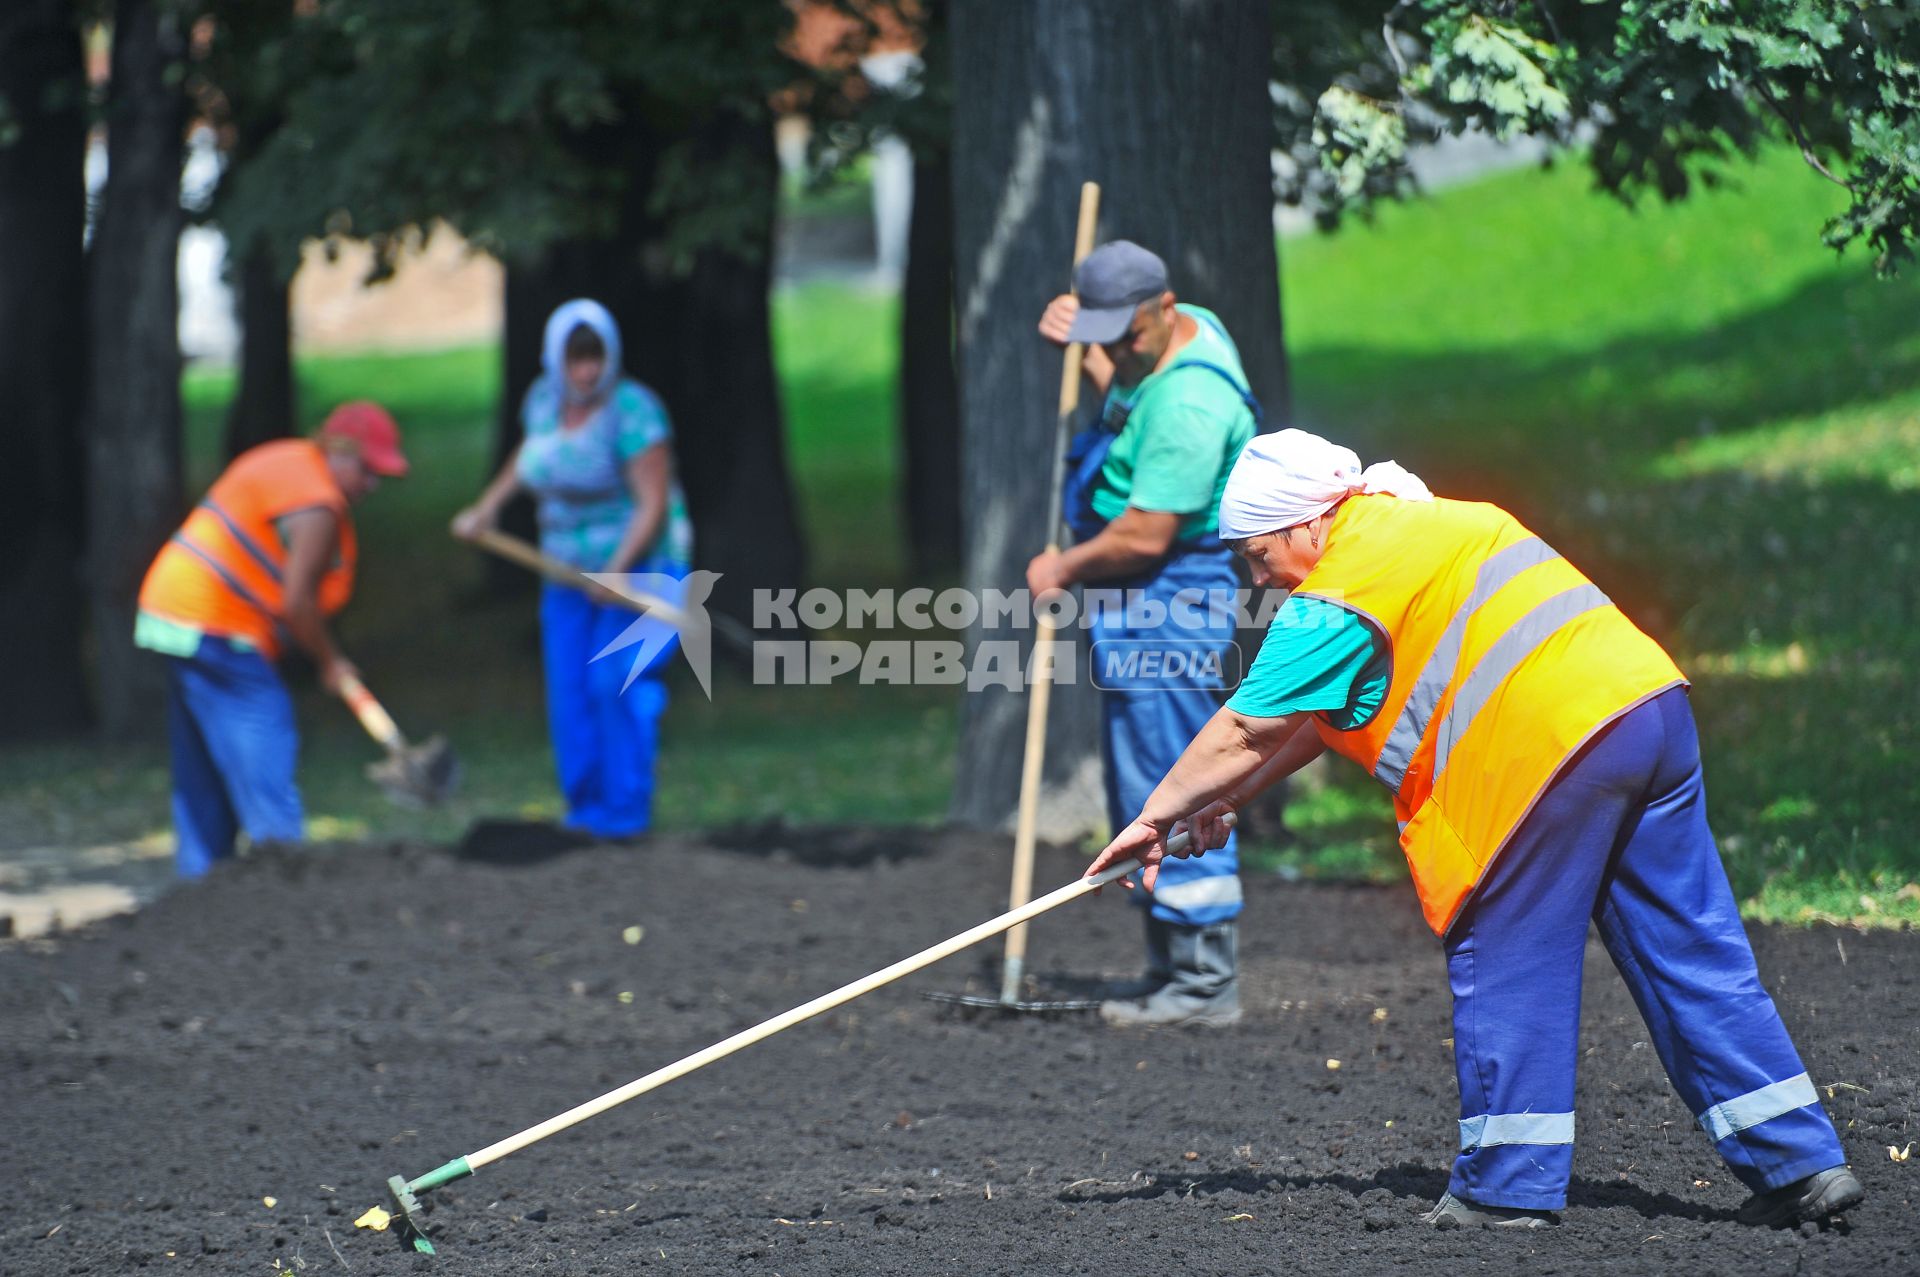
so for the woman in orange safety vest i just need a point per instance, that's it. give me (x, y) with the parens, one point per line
(1545, 772)
(259, 565)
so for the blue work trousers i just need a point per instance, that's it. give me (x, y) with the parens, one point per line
(234, 746)
(1157, 655)
(1621, 839)
(605, 731)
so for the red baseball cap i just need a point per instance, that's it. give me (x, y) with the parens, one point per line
(373, 428)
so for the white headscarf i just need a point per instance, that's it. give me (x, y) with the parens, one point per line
(1291, 477)
(581, 312)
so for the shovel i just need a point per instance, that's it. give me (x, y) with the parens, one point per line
(421, 775)
(405, 1193)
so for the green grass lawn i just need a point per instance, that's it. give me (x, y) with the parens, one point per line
(1714, 415)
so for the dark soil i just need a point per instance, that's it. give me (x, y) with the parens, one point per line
(303, 1026)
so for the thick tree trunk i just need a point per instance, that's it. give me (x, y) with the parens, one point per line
(532, 289)
(133, 420)
(263, 405)
(42, 371)
(929, 395)
(1166, 106)
(703, 340)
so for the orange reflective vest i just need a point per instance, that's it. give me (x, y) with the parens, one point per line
(222, 572)
(1504, 660)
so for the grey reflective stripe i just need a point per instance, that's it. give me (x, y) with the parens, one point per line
(247, 543)
(1411, 726)
(1489, 1129)
(1759, 1106)
(1504, 657)
(233, 582)
(1196, 893)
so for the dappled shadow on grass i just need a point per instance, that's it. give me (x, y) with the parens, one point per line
(1792, 602)
(1793, 607)
(1499, 422)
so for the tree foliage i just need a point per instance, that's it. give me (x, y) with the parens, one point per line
(408, 112)
(1661, 93)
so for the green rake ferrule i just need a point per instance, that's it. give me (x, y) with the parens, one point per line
(456, 1169)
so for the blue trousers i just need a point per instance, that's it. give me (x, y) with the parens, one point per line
(605, 739)
(234, 746)
(1620, 838)
(1157, 693)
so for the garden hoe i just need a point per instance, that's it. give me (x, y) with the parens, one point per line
(421, 775)
(531, 557)
(1013, 968)
(406, 1192)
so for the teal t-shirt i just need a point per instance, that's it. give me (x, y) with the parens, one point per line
(1178, 434)
(578, 476)
(1316, 656)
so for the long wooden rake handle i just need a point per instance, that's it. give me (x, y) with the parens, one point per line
(1040, 698)
(460, 1167)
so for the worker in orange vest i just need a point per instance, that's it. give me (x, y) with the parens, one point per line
(260, 564)
(1545, 771)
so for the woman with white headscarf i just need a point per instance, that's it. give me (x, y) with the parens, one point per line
(1545, 772)
(598, 458)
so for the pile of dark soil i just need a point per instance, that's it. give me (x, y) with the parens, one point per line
(299, 1027)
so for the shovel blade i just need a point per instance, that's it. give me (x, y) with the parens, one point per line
(422, 775)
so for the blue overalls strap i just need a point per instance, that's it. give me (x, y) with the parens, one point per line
(1087, 455)
(1246, 394)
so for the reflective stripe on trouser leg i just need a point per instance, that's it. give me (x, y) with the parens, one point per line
(1514, 962)
(1146, 728)
(1486, 1130)
(1670, 921)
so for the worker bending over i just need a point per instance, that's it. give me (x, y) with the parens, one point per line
(259, 565)
(1545, 771)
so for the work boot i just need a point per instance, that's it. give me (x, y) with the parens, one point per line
(1159, 965)
(1817, 1196)
(1203, 986)
(1458, 1212)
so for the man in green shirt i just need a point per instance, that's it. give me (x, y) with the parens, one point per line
(1143, 495)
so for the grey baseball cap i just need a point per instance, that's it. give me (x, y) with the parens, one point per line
(1112, 281)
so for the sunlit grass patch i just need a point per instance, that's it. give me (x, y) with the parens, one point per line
(1844, 899)
(1878, 442)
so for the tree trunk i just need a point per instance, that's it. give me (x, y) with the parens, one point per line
(42, 371)
(703, 340)
(929, 396)
(1166, 106)
(532, 289)
(263, 405)
(133, 420)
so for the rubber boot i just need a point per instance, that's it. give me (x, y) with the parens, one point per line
(1458, 1212)
(1204, 988)
(1159, 965)
(1814, 1198)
